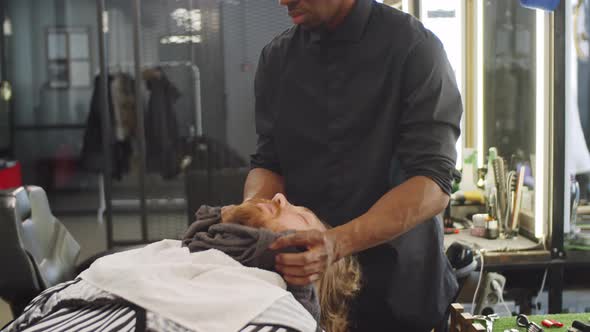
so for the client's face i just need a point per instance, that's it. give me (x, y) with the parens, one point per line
(277, 215)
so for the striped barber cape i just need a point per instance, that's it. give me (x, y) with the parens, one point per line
(77, 306)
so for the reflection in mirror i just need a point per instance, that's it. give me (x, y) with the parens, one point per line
(513, 99)
(577, 156)
(509, 81)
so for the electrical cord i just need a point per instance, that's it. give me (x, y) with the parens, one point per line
(478, 283)
(500, 293)
(499, 290)
(541, 289)
(506, 306)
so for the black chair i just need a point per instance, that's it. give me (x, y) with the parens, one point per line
(36, 250)
(463, 260)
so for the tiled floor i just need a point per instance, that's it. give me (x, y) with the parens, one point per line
(91, 235)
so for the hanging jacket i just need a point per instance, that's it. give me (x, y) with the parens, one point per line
(161, 128)
(123, 99)
(92, 149)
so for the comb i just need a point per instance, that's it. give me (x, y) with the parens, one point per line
(500, 177)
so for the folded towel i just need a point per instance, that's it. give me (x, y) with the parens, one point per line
(246, 245)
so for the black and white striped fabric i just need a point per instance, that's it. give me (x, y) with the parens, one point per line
(77, 306)
(264, 328)
(117, 318)
(157, 323)
(88, 318)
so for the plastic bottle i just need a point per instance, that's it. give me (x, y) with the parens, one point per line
(490, 179)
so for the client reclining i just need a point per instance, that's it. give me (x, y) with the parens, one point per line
(265, 221)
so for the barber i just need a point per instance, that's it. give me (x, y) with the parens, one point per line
(357, 117)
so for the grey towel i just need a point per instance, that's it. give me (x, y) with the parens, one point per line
(246, 245)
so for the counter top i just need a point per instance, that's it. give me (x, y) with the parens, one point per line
(515, 252)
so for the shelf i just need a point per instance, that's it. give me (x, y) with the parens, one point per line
(577, 258)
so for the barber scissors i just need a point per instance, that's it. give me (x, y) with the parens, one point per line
(523, 321)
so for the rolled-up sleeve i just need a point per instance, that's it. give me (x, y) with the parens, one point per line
(266, 155)
(431, 114)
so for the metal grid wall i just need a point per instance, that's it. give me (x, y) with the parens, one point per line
(247, 26)
(231, 36)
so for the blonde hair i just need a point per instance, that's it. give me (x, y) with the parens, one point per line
(338, 285)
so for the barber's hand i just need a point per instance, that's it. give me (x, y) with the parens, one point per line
(304, 268)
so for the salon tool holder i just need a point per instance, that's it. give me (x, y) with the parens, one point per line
(523, 321)
(580, 326)
(506, 203)
(489, 321)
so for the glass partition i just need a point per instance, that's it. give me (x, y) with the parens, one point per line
(197, 61)
(49, 59)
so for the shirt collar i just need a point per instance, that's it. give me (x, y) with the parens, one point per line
(353, 26)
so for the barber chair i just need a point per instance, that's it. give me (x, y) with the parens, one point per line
(463, 261)
(36, 250)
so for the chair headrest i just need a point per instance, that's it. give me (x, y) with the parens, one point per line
(22, 204)
(22, 281)
(47, 240)
(34, 230)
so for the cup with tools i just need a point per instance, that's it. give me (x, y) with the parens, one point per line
(505, 193)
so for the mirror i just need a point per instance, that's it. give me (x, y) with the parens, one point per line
(509, 80)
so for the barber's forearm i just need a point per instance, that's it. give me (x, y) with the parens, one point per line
(401, 209)
(262, 183)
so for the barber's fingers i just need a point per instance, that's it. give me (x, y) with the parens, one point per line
(302, 259)
(303, 239)
(301, 271)
(301, 281)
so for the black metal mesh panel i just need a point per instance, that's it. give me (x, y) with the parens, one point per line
(223, 39)
(247, 27)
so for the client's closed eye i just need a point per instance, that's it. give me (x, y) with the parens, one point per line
(303, 219)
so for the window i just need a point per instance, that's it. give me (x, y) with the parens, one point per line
(68, 57)
(445, 20)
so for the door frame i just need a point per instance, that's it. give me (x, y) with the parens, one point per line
(9, 152)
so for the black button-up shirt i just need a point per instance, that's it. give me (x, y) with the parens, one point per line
(336, 111)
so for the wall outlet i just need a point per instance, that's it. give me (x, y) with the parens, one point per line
(488, 297)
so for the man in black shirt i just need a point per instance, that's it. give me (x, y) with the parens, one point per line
(357, 116)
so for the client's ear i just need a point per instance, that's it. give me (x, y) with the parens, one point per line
(281, 199)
